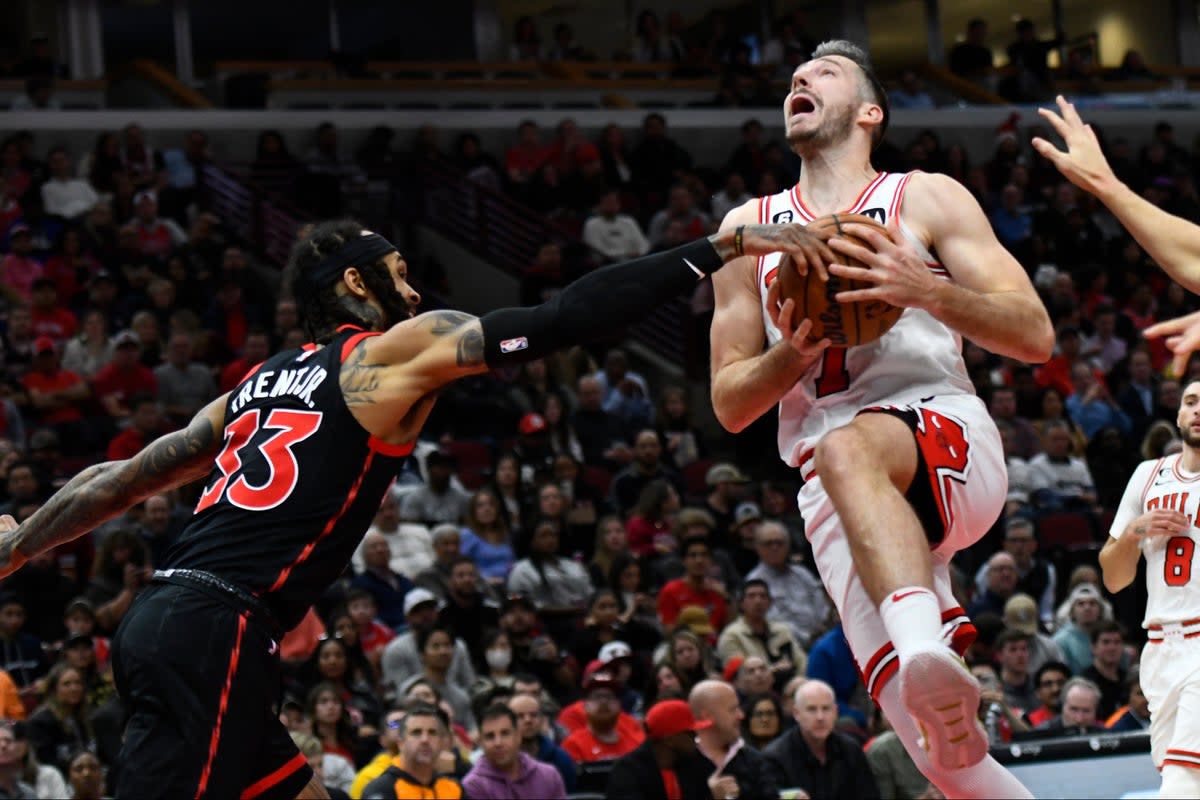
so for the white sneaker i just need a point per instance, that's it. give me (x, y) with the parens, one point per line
(943, 699)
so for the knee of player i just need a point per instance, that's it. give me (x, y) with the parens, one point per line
(842, 453)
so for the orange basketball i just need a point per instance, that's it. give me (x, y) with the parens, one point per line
(845, 324)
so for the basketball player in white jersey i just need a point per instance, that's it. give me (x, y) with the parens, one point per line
(1156, 520)
(902, 464)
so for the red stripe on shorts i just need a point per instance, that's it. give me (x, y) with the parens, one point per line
(289, 768)
(216, 734)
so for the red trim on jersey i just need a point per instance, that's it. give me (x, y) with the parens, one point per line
(1175, 763)
(1150, 480)
(858, 201)
(389, 449)
(224, 704)
(1184, 623)
(1161, 639)
(1178, 752)
(898, 198)
(251, 372)
(329, 526)
(287, 770)
(349, 327)
(308, 347)
(1178, 474)
(352, 342)
(764, 214)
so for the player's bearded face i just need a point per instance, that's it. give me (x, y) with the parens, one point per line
(830, 121)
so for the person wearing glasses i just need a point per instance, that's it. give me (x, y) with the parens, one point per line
(389, 743)
(797, 596)
(1048, 682)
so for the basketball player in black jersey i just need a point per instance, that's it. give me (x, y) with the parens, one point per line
(296, 459)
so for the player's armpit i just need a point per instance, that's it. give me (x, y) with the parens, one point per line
(101, 492)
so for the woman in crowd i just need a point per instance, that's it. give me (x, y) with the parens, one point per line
(486, 538)
(92, 349)
(86, 776)
(121, 571)
(497, 667)
(558, 586)
(684, 443)
(332, 722)
(46, 780)
(332, 663)
(610, 543)
(628, 581)
(1161, 438)
(691, 658)
(1054, 409)
(649, 526)
(436, 646)
(762, 720)
(506, 485)
(63, 723)
(564, 441)
(584, 505)
(667, 685)
(341, 626)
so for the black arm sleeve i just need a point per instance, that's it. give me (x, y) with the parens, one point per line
(597, 304)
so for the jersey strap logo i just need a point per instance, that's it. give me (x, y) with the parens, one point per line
(783, 217)
(877, 214)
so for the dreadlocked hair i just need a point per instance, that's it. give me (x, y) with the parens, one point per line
(321, 309)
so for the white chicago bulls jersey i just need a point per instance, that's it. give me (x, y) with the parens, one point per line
(1173, 595)
(919, 357)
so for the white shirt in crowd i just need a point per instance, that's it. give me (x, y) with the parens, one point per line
(617, 239)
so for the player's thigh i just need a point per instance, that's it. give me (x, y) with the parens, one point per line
(170, 672)
(869, 445)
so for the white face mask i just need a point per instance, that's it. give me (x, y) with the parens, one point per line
(499, 659)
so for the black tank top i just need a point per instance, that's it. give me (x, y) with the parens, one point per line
(295, 486)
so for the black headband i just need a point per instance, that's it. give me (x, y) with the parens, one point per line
(365, 249)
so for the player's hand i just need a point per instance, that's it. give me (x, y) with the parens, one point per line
(1083, 163)
(795, 331)
(1182, 338)
(805, 247)
(10, 559)
(1159, 522)
(895, 269)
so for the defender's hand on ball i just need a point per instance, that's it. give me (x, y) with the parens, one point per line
(898, 273)
(799, 245)
(783, 316)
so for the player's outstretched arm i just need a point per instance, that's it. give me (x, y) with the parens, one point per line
(102, 491)
(1173, 242)
(990, 299)
(434, 349)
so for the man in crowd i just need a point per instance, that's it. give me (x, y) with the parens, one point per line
(694, 588)
(505, 770)
(1012, 646)
(389, 742)
(797, 597)
(438, 500)
(739, 770)
(1049, 680)
(527, 708)
(389, 588)
(753, 634)
(1080, 698)
(1021, 614)
(665, 765)
(825, 763)
(466, 611)
(601, 738)
(412, 772)
(1035, 575)
(401, 659)
(1001, 584)
(1105, 671)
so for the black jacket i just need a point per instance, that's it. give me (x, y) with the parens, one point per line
(756, 781)
(635, 776)
(845, 772)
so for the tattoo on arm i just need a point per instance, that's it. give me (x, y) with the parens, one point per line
(470, 346)
(103, 491)
(359, 379)
(444, 323)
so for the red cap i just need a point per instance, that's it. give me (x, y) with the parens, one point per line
(731, 668)
(671, 717)
(597, 675)
(43, 344)
(531, 423)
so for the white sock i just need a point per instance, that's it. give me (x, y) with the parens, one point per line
(1179, 781)
(913, 620)
(987, 779)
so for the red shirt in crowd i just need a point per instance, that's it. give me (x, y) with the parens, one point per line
(679, 593)
(55, 382)
(582, 745)
(375, 636)
(124, 383)
(57, 323)
(126, 444)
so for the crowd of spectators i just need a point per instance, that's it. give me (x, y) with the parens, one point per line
(571, 548)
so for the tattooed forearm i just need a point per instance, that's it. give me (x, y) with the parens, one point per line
(470, 346)
(101, 492)
(359, 379)
(443, 323)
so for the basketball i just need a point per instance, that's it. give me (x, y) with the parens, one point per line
(845, 324)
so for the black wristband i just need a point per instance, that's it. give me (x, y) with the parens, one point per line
(700, 255)
(737, 240)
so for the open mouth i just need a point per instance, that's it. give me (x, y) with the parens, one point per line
(802, 105)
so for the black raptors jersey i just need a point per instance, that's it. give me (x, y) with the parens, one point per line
(295, 486)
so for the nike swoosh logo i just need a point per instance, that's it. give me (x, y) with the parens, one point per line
(693, 268)
(897, 597)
